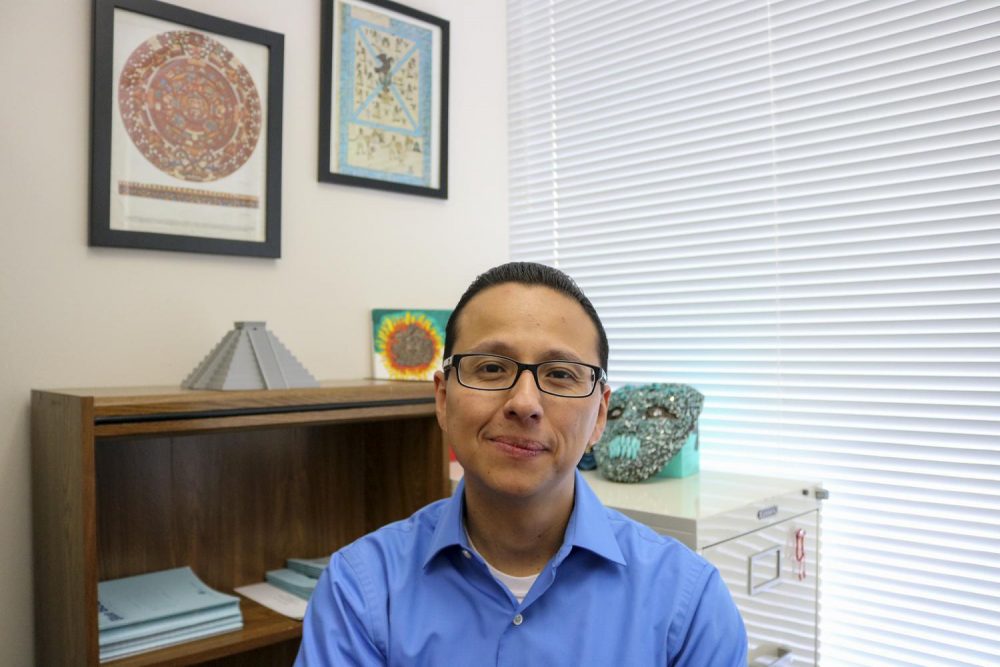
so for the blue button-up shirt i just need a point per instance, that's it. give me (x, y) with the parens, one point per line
(414, 593)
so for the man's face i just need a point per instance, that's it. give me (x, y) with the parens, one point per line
(521, 443)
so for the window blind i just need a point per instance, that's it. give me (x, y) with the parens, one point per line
(794, 206)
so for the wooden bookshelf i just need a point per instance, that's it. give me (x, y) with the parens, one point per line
(127, 481)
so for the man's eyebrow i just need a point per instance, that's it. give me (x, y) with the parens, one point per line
(500, 347)
(492, 347)
(566, 355)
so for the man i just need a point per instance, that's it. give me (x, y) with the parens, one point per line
(522, 565)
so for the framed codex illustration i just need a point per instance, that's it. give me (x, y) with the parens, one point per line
(384, 97)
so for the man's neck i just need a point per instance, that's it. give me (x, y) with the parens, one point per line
(517, 536)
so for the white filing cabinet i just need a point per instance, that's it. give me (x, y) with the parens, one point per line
(762, 534)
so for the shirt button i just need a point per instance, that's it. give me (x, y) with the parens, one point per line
(518, 620)
(466, 553)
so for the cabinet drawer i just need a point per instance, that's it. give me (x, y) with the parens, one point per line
(776, 593)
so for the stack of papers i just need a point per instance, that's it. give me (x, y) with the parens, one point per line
(300, 577)
(150, 611)
(287, 590)
(311, 567)
(292, 581)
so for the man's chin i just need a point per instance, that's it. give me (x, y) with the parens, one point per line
(517, 485)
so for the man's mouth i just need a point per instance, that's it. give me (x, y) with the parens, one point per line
(515, 446)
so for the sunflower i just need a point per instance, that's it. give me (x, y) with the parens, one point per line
(410, 345)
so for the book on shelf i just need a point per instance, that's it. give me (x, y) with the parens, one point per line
(311, 567)
(294, 582)
(150, 611)
(180, 636)
(161, 626)
(287, 590)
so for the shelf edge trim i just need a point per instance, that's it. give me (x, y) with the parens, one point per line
(250, 411)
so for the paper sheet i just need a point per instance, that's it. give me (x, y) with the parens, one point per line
(274, 598)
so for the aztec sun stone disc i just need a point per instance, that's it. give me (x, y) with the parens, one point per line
(189, 106)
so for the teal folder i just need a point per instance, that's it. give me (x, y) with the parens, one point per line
(311, 567)
(294, 582)
(131, 647)
(148, 611)
(155, 596)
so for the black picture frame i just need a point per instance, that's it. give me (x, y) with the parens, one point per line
(175, 165)
(399, 60)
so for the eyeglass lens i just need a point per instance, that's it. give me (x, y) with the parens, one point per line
(564, 378)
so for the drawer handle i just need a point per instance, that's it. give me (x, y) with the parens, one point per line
(769, 558)
(775, 657)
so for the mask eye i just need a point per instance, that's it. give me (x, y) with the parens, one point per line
(615, 412)
(659, 412)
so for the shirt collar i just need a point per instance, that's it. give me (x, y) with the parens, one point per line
(588, 528)
(449, 531)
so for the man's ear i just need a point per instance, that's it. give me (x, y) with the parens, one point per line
(440, 399)
(602, 416)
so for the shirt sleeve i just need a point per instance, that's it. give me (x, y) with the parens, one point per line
(337, 627)
(715, 635)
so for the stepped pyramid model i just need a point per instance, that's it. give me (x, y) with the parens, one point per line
(249, 357)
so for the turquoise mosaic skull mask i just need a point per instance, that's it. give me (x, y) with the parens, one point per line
(647, 425)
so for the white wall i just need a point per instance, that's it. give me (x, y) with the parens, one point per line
(73, 316)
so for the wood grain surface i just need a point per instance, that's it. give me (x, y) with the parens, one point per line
(231, 496)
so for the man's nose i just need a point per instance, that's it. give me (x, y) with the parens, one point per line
(524, 398)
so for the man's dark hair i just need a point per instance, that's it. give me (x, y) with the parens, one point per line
(527, 273)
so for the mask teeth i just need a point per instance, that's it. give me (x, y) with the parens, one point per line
(624, 447)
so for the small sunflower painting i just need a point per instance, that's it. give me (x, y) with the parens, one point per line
(408, 344)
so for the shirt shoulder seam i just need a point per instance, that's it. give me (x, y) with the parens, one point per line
(696, 580)
(368, 593)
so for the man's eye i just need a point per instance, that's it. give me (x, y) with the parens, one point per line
(563, 373)
(491, 368)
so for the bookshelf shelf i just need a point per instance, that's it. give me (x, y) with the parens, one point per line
(127, 481)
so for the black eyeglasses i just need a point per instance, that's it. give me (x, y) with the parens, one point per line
(494, 372)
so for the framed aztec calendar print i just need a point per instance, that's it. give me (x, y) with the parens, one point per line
(186, 131)
(384, 97)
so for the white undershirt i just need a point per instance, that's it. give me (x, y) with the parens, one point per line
(518, 586)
